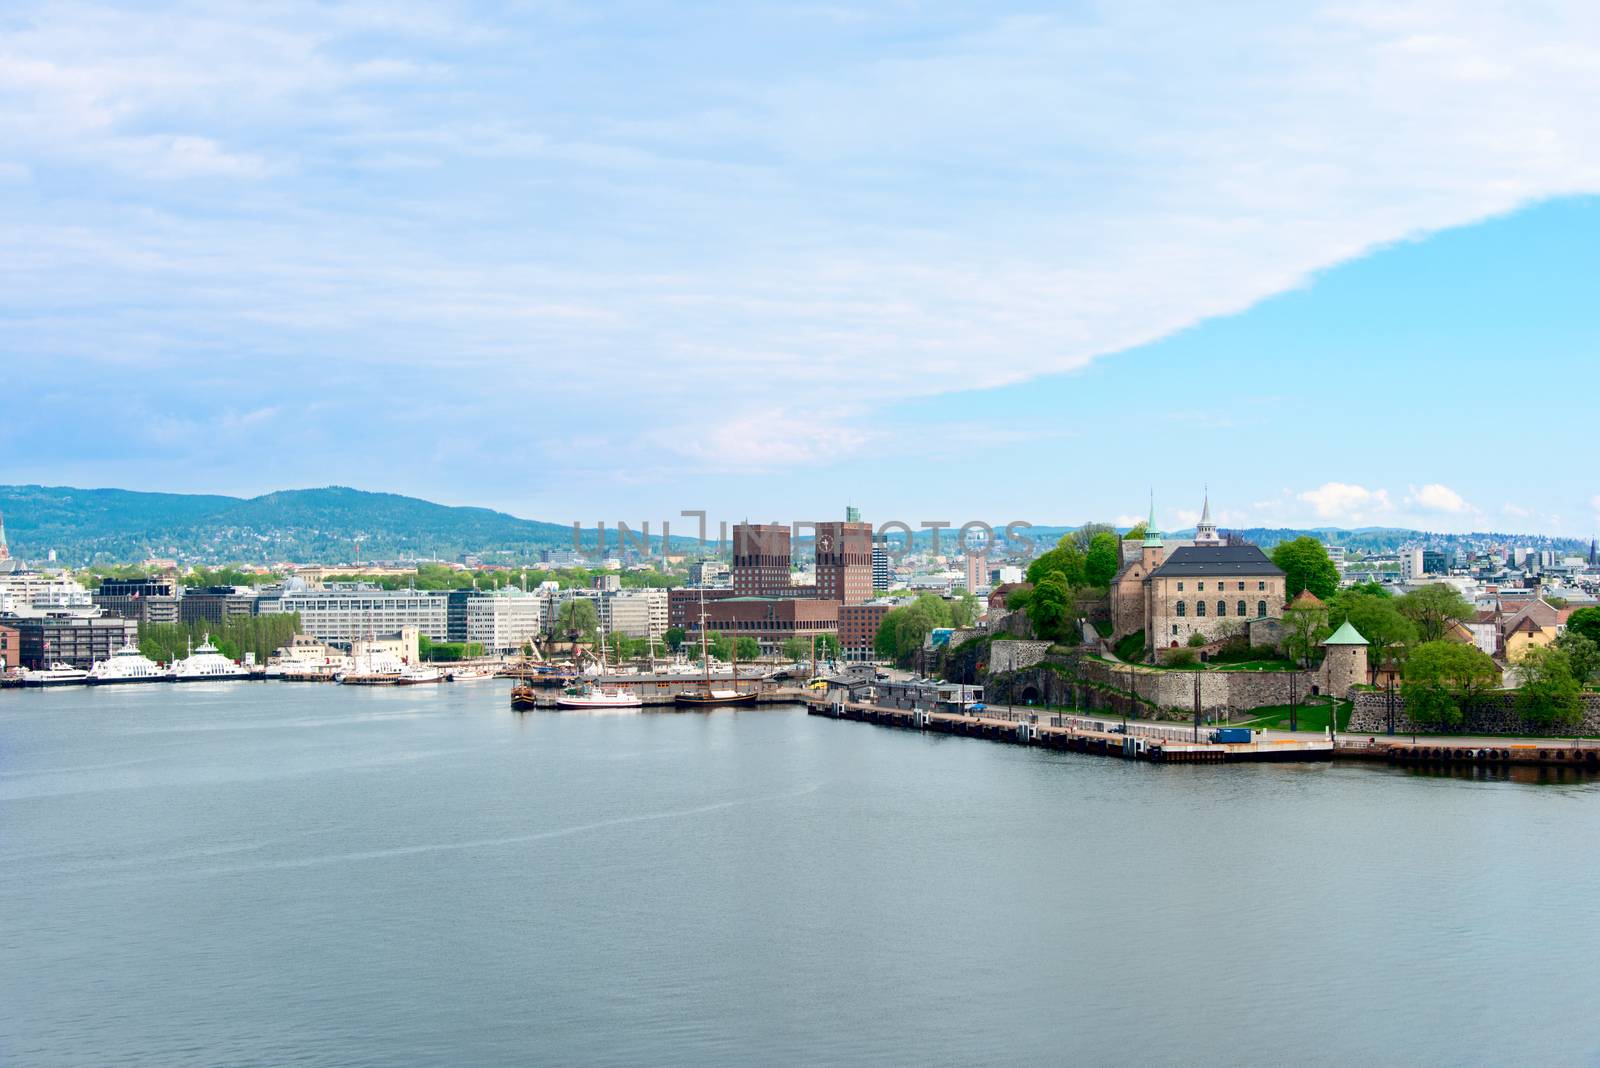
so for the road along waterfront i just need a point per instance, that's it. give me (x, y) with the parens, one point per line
(330, 875)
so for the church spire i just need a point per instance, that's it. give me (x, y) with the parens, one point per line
(1205, 532)
(5, 550)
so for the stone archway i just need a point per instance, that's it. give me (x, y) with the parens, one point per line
(1029, 695)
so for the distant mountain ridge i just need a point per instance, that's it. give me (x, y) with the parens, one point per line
(117, 525)
(102, 525)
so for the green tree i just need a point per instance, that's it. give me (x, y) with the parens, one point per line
(1100, 563)
(1051, 608)
(720, 646)
(1304, 626)
(1434, 609)
(904, 629)
(828, 647)
(1582, 654)
(1585, 621)
(1306, 566)
(1378, 619)
(1549, 694)
(1085, 536)
(1442, 680)
(674, 637)
(796, 649)
(578, 620)
(747, 647)
(1065, 559)
(963, 610)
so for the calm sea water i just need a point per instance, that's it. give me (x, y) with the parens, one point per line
(273, 874)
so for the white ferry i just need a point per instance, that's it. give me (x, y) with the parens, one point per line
(207, 664)
(57, 674)
(418, 674)
(128, 664)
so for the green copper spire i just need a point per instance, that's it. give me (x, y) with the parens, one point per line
(1152, 536)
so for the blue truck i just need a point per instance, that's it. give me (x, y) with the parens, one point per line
(1232, 735)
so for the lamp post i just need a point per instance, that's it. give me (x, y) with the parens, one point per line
(1294, 719)
(1197, 706)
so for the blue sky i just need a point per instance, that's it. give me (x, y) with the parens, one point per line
(584, 261)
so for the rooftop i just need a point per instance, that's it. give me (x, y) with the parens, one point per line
(1225, 560)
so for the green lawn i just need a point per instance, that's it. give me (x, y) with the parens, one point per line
(1310, 717)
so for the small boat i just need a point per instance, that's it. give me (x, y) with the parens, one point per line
(472, 673)
(595, 694)
(598, 697)
(128, 665)
(523, 698)
(417, 675)
(57, 674)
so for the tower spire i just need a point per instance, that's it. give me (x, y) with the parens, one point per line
(5, 549)
(1152, 537)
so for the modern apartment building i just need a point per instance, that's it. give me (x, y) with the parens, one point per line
(68, 638)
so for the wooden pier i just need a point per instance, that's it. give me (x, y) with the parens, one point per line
(657, 691)
(1159, 744)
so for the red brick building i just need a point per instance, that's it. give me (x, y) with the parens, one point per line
(770, 620)
(844, 562)
(858, 627)
(761, 554)
(683, 604)
(10, 650)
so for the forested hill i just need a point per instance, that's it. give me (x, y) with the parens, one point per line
(86, 525)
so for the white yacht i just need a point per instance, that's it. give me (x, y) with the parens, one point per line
(473, 673)
(596, 694)
(207, 664)
(57, 674)
(128, 664)
(417, 674)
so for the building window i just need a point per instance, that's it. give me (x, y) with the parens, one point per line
(1241, 608)
(1222, 608)
(1201, 586)
(1180, 587)
(1261, 609)
(1241, 586)
(1182, 610)
(1199, 608)
(1261, 585)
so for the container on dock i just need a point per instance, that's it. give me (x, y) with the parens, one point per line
(1232, 735)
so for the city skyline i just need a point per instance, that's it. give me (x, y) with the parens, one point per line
(788, 258)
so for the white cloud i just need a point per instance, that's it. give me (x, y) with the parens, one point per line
(983, 202)
(1435, 497)
(1516, 511)
(1344, 503)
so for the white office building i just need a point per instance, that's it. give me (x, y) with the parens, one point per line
(344, 613)
(505, 620)
(638, 613)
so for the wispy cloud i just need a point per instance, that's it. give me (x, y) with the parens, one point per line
(714, 237)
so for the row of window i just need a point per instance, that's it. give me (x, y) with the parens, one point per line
(1201, 586)
(1222, 608)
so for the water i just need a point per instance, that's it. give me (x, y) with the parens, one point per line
(311, 875)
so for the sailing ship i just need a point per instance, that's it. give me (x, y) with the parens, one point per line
(706, 695)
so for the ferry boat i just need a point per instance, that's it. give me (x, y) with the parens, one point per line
(127, 665)
(57, 674)
(419, 674)
(207, 664)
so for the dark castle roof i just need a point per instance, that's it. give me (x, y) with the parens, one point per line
(1221, 560)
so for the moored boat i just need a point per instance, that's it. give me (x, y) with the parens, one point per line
(207, 664)
(57, 674)
(128, 665)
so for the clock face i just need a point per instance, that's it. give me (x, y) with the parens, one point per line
(825, 543)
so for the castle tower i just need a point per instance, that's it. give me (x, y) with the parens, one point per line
(1344, 661)
(1205, 532)
(1152, 548)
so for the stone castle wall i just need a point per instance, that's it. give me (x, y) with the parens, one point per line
(1007, 655)
(1219, 689)
(1497, 715)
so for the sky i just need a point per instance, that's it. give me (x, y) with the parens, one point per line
(585, 261)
